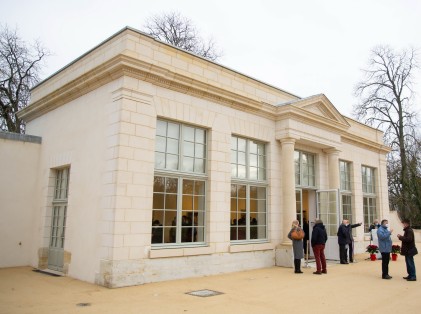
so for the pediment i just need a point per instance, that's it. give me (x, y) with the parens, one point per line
(321, 106)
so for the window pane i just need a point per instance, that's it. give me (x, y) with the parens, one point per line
(241, 171)
(199, 187)
(170, 201)
(199, 151)
(171, 185)
(160, 144)
(172, 162)
(188, 133)
(253, 173)
(188, 149)
(200, 136)
(241, 191)
(188, 164)
(161, 128)
(199, 165)
(252, 147)
(241, 158)
(241, 145)
(159, 160)
(173, 130)
(253, 160)
(170, 218)
(172, 146)
(158, 201)
(188, 186)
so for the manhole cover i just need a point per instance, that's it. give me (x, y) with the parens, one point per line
(83, 304)
(204, 293)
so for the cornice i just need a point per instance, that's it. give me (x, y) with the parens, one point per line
(364, 143)
(302, 115)
(123, 65)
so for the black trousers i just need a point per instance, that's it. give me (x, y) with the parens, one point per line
(385, 264)
(342, 253)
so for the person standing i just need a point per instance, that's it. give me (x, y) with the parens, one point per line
(385, 247)
(318, 241)
(297, 246)
(346, 240)
(306, 229)
(408, 249)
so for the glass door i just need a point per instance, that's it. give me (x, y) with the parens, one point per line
(328, 210)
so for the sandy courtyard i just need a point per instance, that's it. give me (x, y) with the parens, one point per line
(354, 288)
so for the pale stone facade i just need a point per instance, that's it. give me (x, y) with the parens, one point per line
(98, 117)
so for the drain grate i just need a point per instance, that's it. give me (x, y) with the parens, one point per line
(204, 293)
(83, 304)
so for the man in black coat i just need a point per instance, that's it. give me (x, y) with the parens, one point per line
(408, 250)
(318, 241)
(345, 239)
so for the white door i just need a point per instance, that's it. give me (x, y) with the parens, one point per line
(328, 210)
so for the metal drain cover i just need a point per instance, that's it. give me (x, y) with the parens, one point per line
(83, 304)
(204, 293)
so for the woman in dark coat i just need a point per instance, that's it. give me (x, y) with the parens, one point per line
(408, 249)
(297, 247)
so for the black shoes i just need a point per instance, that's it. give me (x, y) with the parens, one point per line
(411, 279)
(344, 263)
(298, 271)
(387, 277)
(317, 272)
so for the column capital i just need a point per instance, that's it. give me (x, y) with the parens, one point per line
(332, 151)
(288, 140)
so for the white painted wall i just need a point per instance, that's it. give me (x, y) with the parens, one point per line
(19, 162)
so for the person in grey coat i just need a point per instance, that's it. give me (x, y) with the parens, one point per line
(297, 247)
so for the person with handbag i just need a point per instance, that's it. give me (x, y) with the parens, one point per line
(408, 250)
(296, 234)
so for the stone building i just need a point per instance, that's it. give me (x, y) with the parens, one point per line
(148, 163)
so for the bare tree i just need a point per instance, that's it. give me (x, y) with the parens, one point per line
(387, 103)
(179, 31)
(20, 65)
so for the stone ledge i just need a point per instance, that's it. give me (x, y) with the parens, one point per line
(178, 252)
(250, 247)
(20, 137)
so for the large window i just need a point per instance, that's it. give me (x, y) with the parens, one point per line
(178, 210)
(180, 147)
(305, 174)
(248, 212)
(59, 214)
(248, 159)
(345, 175)
(368, 180)
(179, 191)
(248, 192)
(346, 193)
(369, 196)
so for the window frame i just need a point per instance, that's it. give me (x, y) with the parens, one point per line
(180, 174)
(369, 195)
(247, 165)
(300, 174)
(249, 182)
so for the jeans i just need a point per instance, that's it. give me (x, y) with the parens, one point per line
(319, 255)
(385, 264)
(410, 266)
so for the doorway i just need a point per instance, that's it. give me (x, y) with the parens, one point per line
(324, 205)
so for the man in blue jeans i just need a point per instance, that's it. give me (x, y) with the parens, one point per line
(385, 247)
(408, 249)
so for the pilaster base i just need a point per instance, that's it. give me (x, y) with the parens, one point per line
(284, 256)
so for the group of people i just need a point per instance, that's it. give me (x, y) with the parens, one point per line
(346, 246)
(408, 248)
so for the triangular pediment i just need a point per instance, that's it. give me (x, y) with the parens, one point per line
(321, 106)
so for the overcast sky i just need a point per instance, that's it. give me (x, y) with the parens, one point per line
(304, 47)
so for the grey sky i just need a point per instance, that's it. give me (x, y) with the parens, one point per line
(304, 47)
